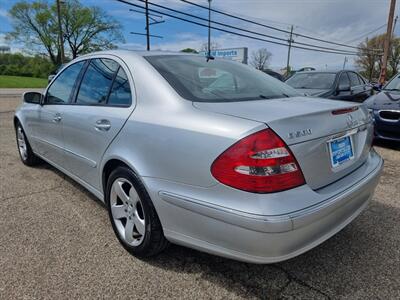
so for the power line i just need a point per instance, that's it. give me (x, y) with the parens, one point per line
(246, 30)
(144, 12)
(273, 28)
(342, 52)
(367, 34)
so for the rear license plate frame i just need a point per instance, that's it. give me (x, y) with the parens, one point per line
(341, 150)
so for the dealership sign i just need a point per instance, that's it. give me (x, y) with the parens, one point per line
(236, 54)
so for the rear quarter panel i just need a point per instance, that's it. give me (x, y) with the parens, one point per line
(166, 137)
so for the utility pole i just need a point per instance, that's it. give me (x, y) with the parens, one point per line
(60, 34)
(388, 38)
(209, 30)
(344, 62)
(147, 26)
(290, 46)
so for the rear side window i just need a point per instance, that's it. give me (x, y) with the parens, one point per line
(354, 81)
(60, 90)
(120, 94)
(96, 82)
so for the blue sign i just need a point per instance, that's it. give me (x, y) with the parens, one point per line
(236, 54)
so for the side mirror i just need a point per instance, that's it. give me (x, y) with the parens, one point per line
(377, 87)
(343, 88)
(32, 97)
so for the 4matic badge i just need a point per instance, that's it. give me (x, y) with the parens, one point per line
(299, 133)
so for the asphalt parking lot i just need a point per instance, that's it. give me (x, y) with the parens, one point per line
(56, 243)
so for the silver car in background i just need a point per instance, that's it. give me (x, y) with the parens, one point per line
(211, 155)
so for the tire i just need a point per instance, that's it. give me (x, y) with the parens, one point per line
(133, 217)
(24, 148)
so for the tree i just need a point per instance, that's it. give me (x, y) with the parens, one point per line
(20, 65)
(88, 29)
(35, 25)
(371, 61)
(189, 50)
(260, 58)
(367, 59)
(394, 55)
(85, 29)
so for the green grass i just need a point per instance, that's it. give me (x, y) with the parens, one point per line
(21, 82)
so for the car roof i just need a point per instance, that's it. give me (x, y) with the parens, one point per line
(137, 53)
(325, 71)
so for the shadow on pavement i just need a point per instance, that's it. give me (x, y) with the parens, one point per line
(360, 261)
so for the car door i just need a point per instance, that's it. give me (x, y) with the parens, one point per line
(102, 104)
(357, 88)
(47, 125)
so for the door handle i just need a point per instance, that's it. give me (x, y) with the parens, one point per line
(57, 118)
(102, 125)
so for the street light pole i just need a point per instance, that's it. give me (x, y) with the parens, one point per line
(60, 34)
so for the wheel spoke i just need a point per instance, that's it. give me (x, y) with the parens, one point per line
(120, 192)
(129, 230)
(133, 196)
(139, 224)
(118, 211)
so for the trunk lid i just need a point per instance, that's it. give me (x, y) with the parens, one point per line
(307, 125)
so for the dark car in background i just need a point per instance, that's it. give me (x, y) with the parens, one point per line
(339, 85)
(385, 109)
(274, 74)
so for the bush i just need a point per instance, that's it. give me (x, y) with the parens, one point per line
(20, 65)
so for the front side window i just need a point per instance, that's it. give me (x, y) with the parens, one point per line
(96, 82)
(60, 90)
(217, 80)
(312, 80)
(120, 94)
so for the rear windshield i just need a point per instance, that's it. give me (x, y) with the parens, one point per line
(217, 80)
(312, 80)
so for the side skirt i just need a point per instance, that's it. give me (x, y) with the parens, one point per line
(91, 189)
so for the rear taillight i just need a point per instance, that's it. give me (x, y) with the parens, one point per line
(259, 163)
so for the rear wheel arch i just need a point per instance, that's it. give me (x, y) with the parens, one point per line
(16, 122)
(152, 240)
(110, 166)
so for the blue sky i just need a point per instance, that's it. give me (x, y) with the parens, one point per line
(336, 20)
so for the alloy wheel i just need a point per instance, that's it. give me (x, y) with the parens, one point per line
(22, 146)
(127, 212)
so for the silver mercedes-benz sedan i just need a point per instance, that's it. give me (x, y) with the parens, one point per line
(212, 155)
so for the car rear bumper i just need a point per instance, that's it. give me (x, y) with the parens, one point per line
(267, 238)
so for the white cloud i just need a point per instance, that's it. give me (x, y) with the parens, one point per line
(4, 14)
